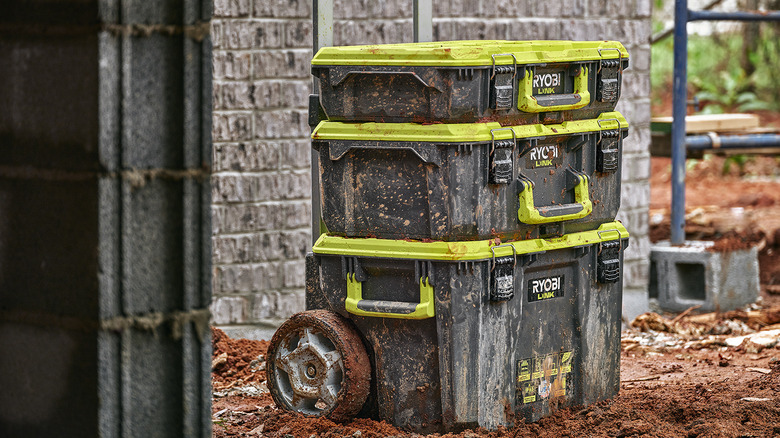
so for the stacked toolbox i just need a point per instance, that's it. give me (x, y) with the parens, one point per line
(470, 190)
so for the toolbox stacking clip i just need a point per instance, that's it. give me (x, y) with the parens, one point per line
(501, 157)
(355, 304)
(608, 263)
(502, 83)
(608, 149)
(502, 275)
(610, 72)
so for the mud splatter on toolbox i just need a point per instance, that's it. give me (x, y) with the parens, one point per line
(512, 82)
(477, 334)
(469, 181)
(471, 270)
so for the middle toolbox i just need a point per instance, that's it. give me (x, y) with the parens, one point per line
(469, 181)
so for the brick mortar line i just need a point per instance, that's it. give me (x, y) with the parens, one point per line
(261, 232)
(282, 290)
(299, 171)
(258, 110)
(274, 171)
(240, 112)
(266, 203)
(246, 140)
(151, 322)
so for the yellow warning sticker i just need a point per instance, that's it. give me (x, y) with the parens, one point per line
(551, 365)
(566, 362)
(545, 376)
(538, 368)
(524, 371)
(529, 393)
(559, 388)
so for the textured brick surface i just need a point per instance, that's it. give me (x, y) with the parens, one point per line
(261, 191)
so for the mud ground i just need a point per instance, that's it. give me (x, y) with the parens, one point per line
(665, 391)
(678, 376)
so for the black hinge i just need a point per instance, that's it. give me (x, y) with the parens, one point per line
(502, 83)
(608, 151)
(608, 264)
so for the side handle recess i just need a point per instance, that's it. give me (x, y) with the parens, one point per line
(356, 305)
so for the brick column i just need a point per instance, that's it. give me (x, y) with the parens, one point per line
(105, 249)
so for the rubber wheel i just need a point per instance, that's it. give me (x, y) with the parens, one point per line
(317, 365)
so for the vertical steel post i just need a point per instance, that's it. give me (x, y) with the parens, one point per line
(322, 37)
(679, 95)
(423, 20)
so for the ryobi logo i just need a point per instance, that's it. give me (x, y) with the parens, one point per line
(544, 156)
(545, 288)
(547, 83)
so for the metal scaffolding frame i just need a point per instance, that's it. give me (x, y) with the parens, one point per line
(682, 15)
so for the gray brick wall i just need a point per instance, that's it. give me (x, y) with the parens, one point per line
(261, 190)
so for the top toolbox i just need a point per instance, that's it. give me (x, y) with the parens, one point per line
(510, 82)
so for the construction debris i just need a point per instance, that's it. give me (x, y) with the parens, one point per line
(750, 330)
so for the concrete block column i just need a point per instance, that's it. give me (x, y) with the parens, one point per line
(105, 235)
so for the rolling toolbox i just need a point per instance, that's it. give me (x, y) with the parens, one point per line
(511, 82)
(469, 181)
(466, 334)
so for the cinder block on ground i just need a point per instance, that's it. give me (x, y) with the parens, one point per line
(694, 274)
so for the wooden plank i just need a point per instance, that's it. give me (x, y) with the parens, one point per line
(720, 123)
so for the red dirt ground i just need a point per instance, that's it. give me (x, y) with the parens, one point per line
(686, 393)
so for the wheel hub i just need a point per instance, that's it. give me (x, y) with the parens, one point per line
(313, 369)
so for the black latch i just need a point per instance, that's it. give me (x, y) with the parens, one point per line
(502, 279)
(501, 158)
(608, 83)
(608, 151)
(608, 269)
(502, 83)
(502, 275)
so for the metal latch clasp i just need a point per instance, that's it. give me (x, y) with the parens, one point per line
(609, 76)
(502, 83)
(502, 158)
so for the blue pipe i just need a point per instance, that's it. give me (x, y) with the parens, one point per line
(680, 95)
(736, 16)
(715, 142)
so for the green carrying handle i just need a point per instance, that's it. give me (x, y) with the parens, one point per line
(555, 102)
(530, 214)
(356, 305)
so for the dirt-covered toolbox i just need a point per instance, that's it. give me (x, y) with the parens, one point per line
(469, 181)
(513, 82)
(460, 334)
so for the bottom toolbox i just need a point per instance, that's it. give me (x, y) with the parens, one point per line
(465, 334)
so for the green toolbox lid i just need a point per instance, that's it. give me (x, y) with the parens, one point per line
(460, 132)
(457, 251)
(470, 53)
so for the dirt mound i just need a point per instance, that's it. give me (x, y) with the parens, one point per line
(236, 362)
